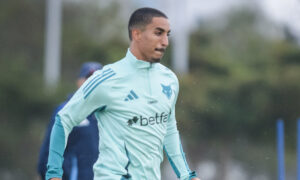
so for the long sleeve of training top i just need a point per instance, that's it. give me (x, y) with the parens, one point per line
(174, 151)
(133, 101)
(82, 144)
(44, 150)
(176, 156)
(71, 115)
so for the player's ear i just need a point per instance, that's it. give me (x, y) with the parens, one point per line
(136, 34)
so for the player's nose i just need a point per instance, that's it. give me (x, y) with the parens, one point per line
(165, 41)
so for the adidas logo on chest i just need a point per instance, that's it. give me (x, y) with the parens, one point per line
(131, 96)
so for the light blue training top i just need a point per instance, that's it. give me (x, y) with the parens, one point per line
(134, 103)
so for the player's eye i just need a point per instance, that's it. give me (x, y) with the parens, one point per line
(158, 33)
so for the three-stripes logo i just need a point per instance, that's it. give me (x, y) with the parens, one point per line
(97, 80)
(131, 96)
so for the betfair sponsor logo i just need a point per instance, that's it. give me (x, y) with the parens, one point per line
(132, 121)
(149, 121)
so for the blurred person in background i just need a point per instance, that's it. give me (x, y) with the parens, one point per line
(82, 148)
(134, 102)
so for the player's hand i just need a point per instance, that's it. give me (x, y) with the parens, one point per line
(55, 179)
(195, 178)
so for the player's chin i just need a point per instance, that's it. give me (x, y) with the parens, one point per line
(155, 59)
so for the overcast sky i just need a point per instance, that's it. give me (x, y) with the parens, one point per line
(284, 11)
(279, 11)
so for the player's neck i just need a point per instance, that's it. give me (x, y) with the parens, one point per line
(136, 52)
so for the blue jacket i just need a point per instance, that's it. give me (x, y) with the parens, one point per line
(81, 151)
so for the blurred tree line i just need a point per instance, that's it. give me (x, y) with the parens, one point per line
(242, 79)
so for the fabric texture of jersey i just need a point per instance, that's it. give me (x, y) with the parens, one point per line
(134, 103)
(82, 144)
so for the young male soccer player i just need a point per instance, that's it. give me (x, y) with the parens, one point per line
(134, 101)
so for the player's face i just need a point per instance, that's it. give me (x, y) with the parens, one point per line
(154, 39)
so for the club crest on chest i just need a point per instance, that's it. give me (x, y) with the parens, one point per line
(167, 90)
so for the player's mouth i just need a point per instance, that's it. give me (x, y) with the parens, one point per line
(160, 50)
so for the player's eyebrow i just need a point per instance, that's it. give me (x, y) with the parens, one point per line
(162, 30)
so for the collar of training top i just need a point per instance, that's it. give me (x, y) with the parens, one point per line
(138, 63)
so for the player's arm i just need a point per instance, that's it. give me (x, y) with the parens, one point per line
(44, 150)
(87, 99)
(174, 151)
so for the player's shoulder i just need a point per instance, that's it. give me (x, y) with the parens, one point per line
(109, 75)
(117, 67)
(99, 81)
(109, 69)
(167, 72)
